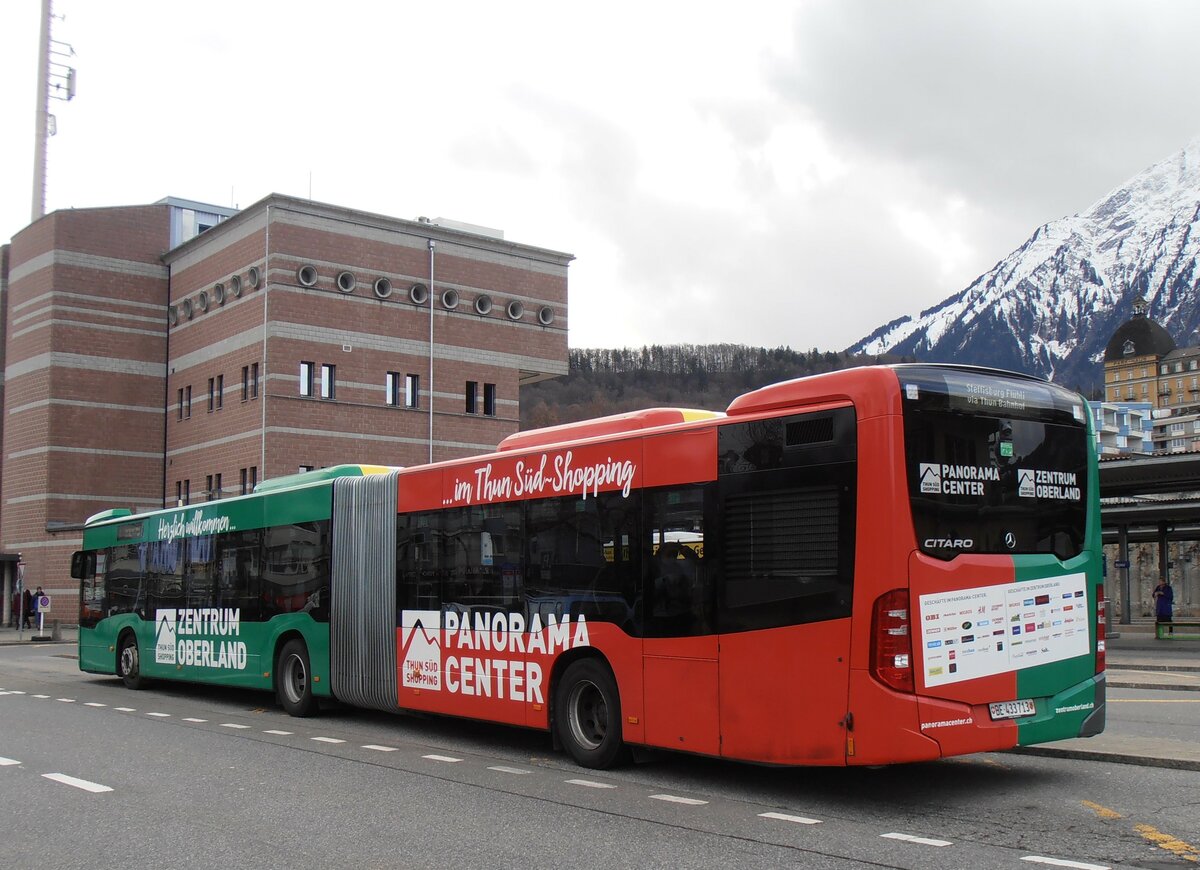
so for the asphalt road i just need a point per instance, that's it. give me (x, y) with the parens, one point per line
(92, 775)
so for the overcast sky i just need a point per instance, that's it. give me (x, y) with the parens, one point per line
(783, 174)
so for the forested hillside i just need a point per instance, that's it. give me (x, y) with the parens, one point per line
(609, 381)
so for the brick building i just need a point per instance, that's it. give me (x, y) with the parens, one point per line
(176, 352)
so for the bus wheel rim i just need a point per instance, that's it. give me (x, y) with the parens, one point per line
(295, 679)
(587, 714)
(129, 660)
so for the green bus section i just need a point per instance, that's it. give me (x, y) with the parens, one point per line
(213, 592)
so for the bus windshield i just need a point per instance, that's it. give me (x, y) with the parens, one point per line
(995, 463)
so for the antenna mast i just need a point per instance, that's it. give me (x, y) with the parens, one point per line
(62, 78)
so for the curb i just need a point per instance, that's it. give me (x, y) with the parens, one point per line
(1112, 757)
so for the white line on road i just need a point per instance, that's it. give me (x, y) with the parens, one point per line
(277, 732)
(1058, 862)
(233, 725)
(676, 799)
(67, 700)
(15, 692)
(502, 769)
(784, 817)
(193, 719)
(449, 759)
(5, 762)
(380, 748)
(125, 709)
(94, 704)
(923, 841)
(43, 697)
(160, 715)
(590, 783)
(327, 740)
(93, 787)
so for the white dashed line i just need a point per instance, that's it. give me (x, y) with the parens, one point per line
(192, 719)
(278, 733)
(93, 787)
(2, 692)
(676, 799)
(67, 700)
(43, 697)
(449, 759)
(1058, 862)
(5, 762)
(380, 748)
(160, 715)
(233, 725)
(922, 841)
(501, 769)
(329, 740)
(589, 783)
(94, 704)
(15, 692)
(125, 709)
(784, 817)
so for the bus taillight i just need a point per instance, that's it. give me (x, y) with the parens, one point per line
(1100, 632)
(891, 641)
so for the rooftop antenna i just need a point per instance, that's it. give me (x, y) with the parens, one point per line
(55, 79)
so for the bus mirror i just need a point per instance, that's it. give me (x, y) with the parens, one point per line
(83, 565)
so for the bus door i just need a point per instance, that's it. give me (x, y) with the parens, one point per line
(679, 646)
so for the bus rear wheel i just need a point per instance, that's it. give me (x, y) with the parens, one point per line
(587, 715)
(129, 665)
(293, 680)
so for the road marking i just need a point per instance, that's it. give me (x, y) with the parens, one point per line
(1165, 841)
(278, 733)
(784, 817)
(923, 841)
(15, 692)
(1059, 862)
(449, 759)
(94, 704)
(43, 697)
(93, 787)
(1102, 812)
(2, 692)
(499, 768)
(590, 783)
(160, 715)
(378, 748)
(125, 709)
(191, 719)
(5, 762)
(676, 799)
(327, 740)
(67, 700)
(233, 725)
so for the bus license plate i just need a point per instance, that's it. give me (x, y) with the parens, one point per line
(1012, 709)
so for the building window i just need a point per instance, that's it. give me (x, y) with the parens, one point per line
(179, 403)
(471, 389)
(253, 476)
(306, 378)
(212, 394)
(220, 391)
(328, 378)
(412, 391)
(208, 484)
(187, 401)
(305, 468)
(392, 388)
(178, 492)
(489, 400)
(217, 493)
(187, 491)
(254, 380)
(245, 383)
(244, 481)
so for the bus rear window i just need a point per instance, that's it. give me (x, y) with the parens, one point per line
(995, 464)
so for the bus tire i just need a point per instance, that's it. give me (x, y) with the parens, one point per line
(293, 680)
(129, 663)
(587, 715)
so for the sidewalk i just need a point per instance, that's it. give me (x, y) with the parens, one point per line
(1136, 660)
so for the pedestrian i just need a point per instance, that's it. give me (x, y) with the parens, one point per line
(26, 607)
(1164, 602)
(15, 615)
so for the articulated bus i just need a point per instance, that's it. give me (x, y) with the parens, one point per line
(879, 565)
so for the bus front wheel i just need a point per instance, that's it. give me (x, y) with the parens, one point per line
(129, 666)
(587, 715)
(293, 680)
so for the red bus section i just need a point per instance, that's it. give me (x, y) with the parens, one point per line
(873, 566)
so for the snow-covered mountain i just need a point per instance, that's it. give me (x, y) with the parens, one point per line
(1051, 306)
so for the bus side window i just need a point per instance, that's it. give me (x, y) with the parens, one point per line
(295, 573)
(418, 562)
(678, 593)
